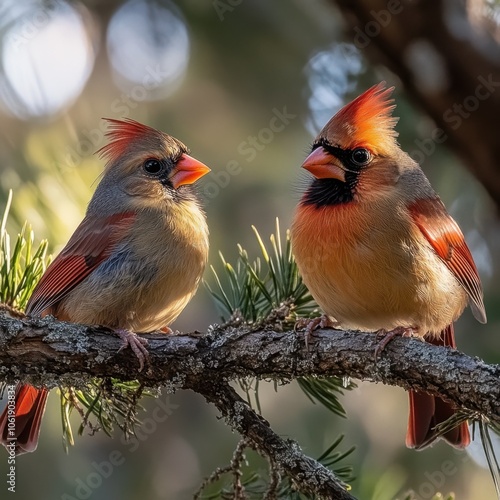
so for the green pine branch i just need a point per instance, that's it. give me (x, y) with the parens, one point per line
(21, 266)
(265, 289)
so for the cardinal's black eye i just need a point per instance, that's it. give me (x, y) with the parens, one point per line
(152, 167)
(361, 157)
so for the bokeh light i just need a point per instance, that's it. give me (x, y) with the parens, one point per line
(329, 73)
(148, 47)
(43, 76)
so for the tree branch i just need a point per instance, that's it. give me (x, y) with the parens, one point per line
(46, 351)
(308, 475)
(49, 352)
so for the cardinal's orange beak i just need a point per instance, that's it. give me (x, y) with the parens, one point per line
(324, 166)
(187, 171)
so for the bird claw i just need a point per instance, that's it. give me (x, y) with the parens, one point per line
(137, 344)
(311, 324)
(387, 336)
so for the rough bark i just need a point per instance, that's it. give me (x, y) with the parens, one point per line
(46, 351)
(308, 475)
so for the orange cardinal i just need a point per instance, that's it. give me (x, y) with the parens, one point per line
(135, 260)
(377, 248)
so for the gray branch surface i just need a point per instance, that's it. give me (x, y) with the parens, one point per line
(46, 351)
(49, 352)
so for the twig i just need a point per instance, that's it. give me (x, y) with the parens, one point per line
(274, 481)
(234, 467)
(308, 475)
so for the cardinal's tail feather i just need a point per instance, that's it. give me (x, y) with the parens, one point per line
(20, 426)
(426, 412)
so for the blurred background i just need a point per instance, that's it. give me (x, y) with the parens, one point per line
(246, 85)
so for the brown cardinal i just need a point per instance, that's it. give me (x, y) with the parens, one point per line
(377, 248)
(135, 260)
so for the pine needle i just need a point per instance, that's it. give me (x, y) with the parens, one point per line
(326, 392)
(489, 452)
(255, 288)
(20, 267)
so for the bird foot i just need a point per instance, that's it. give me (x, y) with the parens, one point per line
(311, 324)
(137, 344)
(386, 336)
(167, 330)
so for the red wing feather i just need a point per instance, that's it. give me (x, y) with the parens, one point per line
(91, 243)
(446, 238)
